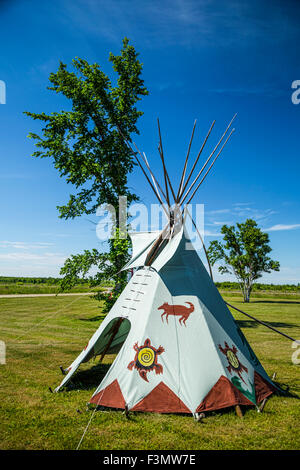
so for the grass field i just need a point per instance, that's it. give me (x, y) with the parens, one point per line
(42, 333)
(11, 289)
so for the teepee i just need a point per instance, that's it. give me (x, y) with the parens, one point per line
(178, 347)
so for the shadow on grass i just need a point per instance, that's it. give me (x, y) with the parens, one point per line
(88, 379)
(274, 302)
(97, 318)
(285, 390)
(254, 324)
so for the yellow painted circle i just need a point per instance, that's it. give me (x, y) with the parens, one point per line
(233, 360)
(146, 356)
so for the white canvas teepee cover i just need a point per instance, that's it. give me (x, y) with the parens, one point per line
(180, 349)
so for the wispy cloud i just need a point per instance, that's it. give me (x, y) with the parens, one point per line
(254, 213)
(238, 212)
(279, 227)
(29, 258)
(189, 23)
(9, 176)
(24, 245)
(218, 211)
(52, 258)
(164, 86)
(209, 233)
(242, 204)
(287, 275)
(219, 223)
(265, 90)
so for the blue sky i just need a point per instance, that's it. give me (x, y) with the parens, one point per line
(203, 60)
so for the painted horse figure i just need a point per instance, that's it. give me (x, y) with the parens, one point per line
(177, 310)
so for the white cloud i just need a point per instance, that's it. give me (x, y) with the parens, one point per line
(208, 233)
(45, 258)
(286, 275)
(242, 203)
(279, 227)
(265, 90)
(187, 23)
(217, 224)
(218, 211)
(24, 245)
(20, 258)
(14, 176)
(238, 213)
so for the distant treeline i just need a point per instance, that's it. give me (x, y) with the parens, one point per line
(226, 285)
(52, 281)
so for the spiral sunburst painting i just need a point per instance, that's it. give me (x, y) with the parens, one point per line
(146, 359)
(233, 362)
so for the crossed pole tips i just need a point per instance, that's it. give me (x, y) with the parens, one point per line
(163, 195)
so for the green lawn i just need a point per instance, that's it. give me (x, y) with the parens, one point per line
(8, 289)
(42, 333)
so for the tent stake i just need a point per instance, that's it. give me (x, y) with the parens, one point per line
(198, 417)
(238, 411)
(261, 408)
(126, 411)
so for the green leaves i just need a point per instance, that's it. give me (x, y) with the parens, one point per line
(84, 143)
(244, 253)
(107, 266)
(86, 148)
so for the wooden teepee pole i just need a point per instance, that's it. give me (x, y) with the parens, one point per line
(155, 182)
(161, 153)
(140, 165)
(157, 244)
(196, 161)
(185, 163)
(166, 175)
(113, 334)
(201, 239)
(198, 186)
(205, 164)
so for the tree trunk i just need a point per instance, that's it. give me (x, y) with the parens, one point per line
(247, 293)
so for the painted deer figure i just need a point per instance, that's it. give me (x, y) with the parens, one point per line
(177, 310)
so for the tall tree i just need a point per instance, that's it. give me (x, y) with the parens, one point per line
(244, 253)
(88, 151)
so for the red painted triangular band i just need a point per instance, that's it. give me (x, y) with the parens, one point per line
(111, 396)
(161, 400)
